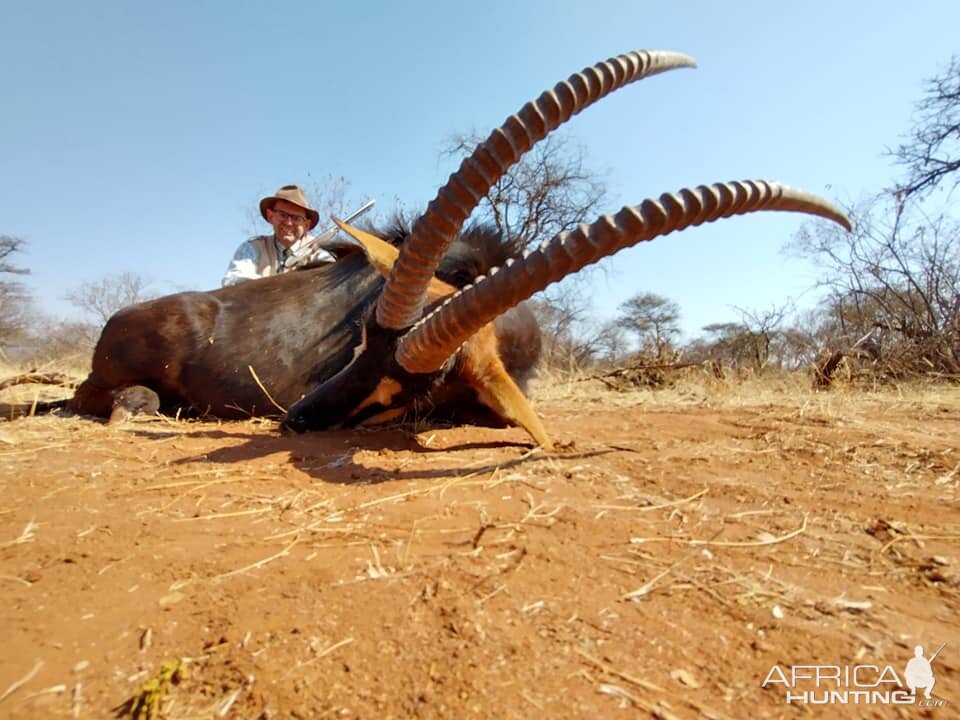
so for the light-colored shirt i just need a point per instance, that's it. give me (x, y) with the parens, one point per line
(263, 256)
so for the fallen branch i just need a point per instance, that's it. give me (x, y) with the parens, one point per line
(618, 372)
(53, 378)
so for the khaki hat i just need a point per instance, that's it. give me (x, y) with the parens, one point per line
(292, 194)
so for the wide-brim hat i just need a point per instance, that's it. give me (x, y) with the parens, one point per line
(294, 195)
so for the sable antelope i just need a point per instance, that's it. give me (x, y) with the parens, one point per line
(259, 346)
(422, 335)
(345, 347)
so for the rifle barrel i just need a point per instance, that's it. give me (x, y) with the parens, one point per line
(303, 252)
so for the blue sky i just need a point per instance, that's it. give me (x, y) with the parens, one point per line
(138, 136)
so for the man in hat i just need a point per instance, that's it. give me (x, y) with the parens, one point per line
(292, 218)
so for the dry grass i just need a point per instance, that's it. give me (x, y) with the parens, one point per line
(694, 387)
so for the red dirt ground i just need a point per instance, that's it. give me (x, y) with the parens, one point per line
(661, 564)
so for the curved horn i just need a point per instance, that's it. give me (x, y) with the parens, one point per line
(401, 304)
(427, 346)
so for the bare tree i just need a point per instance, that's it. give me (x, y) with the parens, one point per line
(931, 153)
(571, 337)
(8, 246)
(764, 336)
(895, 274)
(612, 344)
(333, 195)
(100, 299)
(15, 301)
(550, 190)
(653, 319)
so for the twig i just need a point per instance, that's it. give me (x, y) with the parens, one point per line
(389, 498)
(648, 508)
(728, 543)
(26, 536)
(52, 690)
(648, 586)
(77, 699)
(182, 483)
(277, 405)
(14, 578)
(259, 563)
(900, 538)
(218, 516)
(22, 681)
(336, 646)
(225, 707)
(607, 668)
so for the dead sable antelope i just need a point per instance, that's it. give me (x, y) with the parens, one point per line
(259, 346)
(339, 345)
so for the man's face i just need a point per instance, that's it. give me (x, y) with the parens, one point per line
(289, 222)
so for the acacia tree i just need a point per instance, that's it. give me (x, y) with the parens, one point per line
(653, 319)
(728, 343)
(931, 154)
(550, 190)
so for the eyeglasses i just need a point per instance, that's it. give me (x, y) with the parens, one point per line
(283, 216)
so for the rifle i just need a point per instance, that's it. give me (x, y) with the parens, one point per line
(308, 252)
(934, 656)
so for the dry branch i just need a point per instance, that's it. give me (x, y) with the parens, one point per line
(53, 378)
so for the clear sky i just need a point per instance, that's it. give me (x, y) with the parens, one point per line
(138, 136)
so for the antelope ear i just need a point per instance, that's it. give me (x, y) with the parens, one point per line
(382, 255)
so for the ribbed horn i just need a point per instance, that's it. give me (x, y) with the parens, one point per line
(401, 304)
(427, 346)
